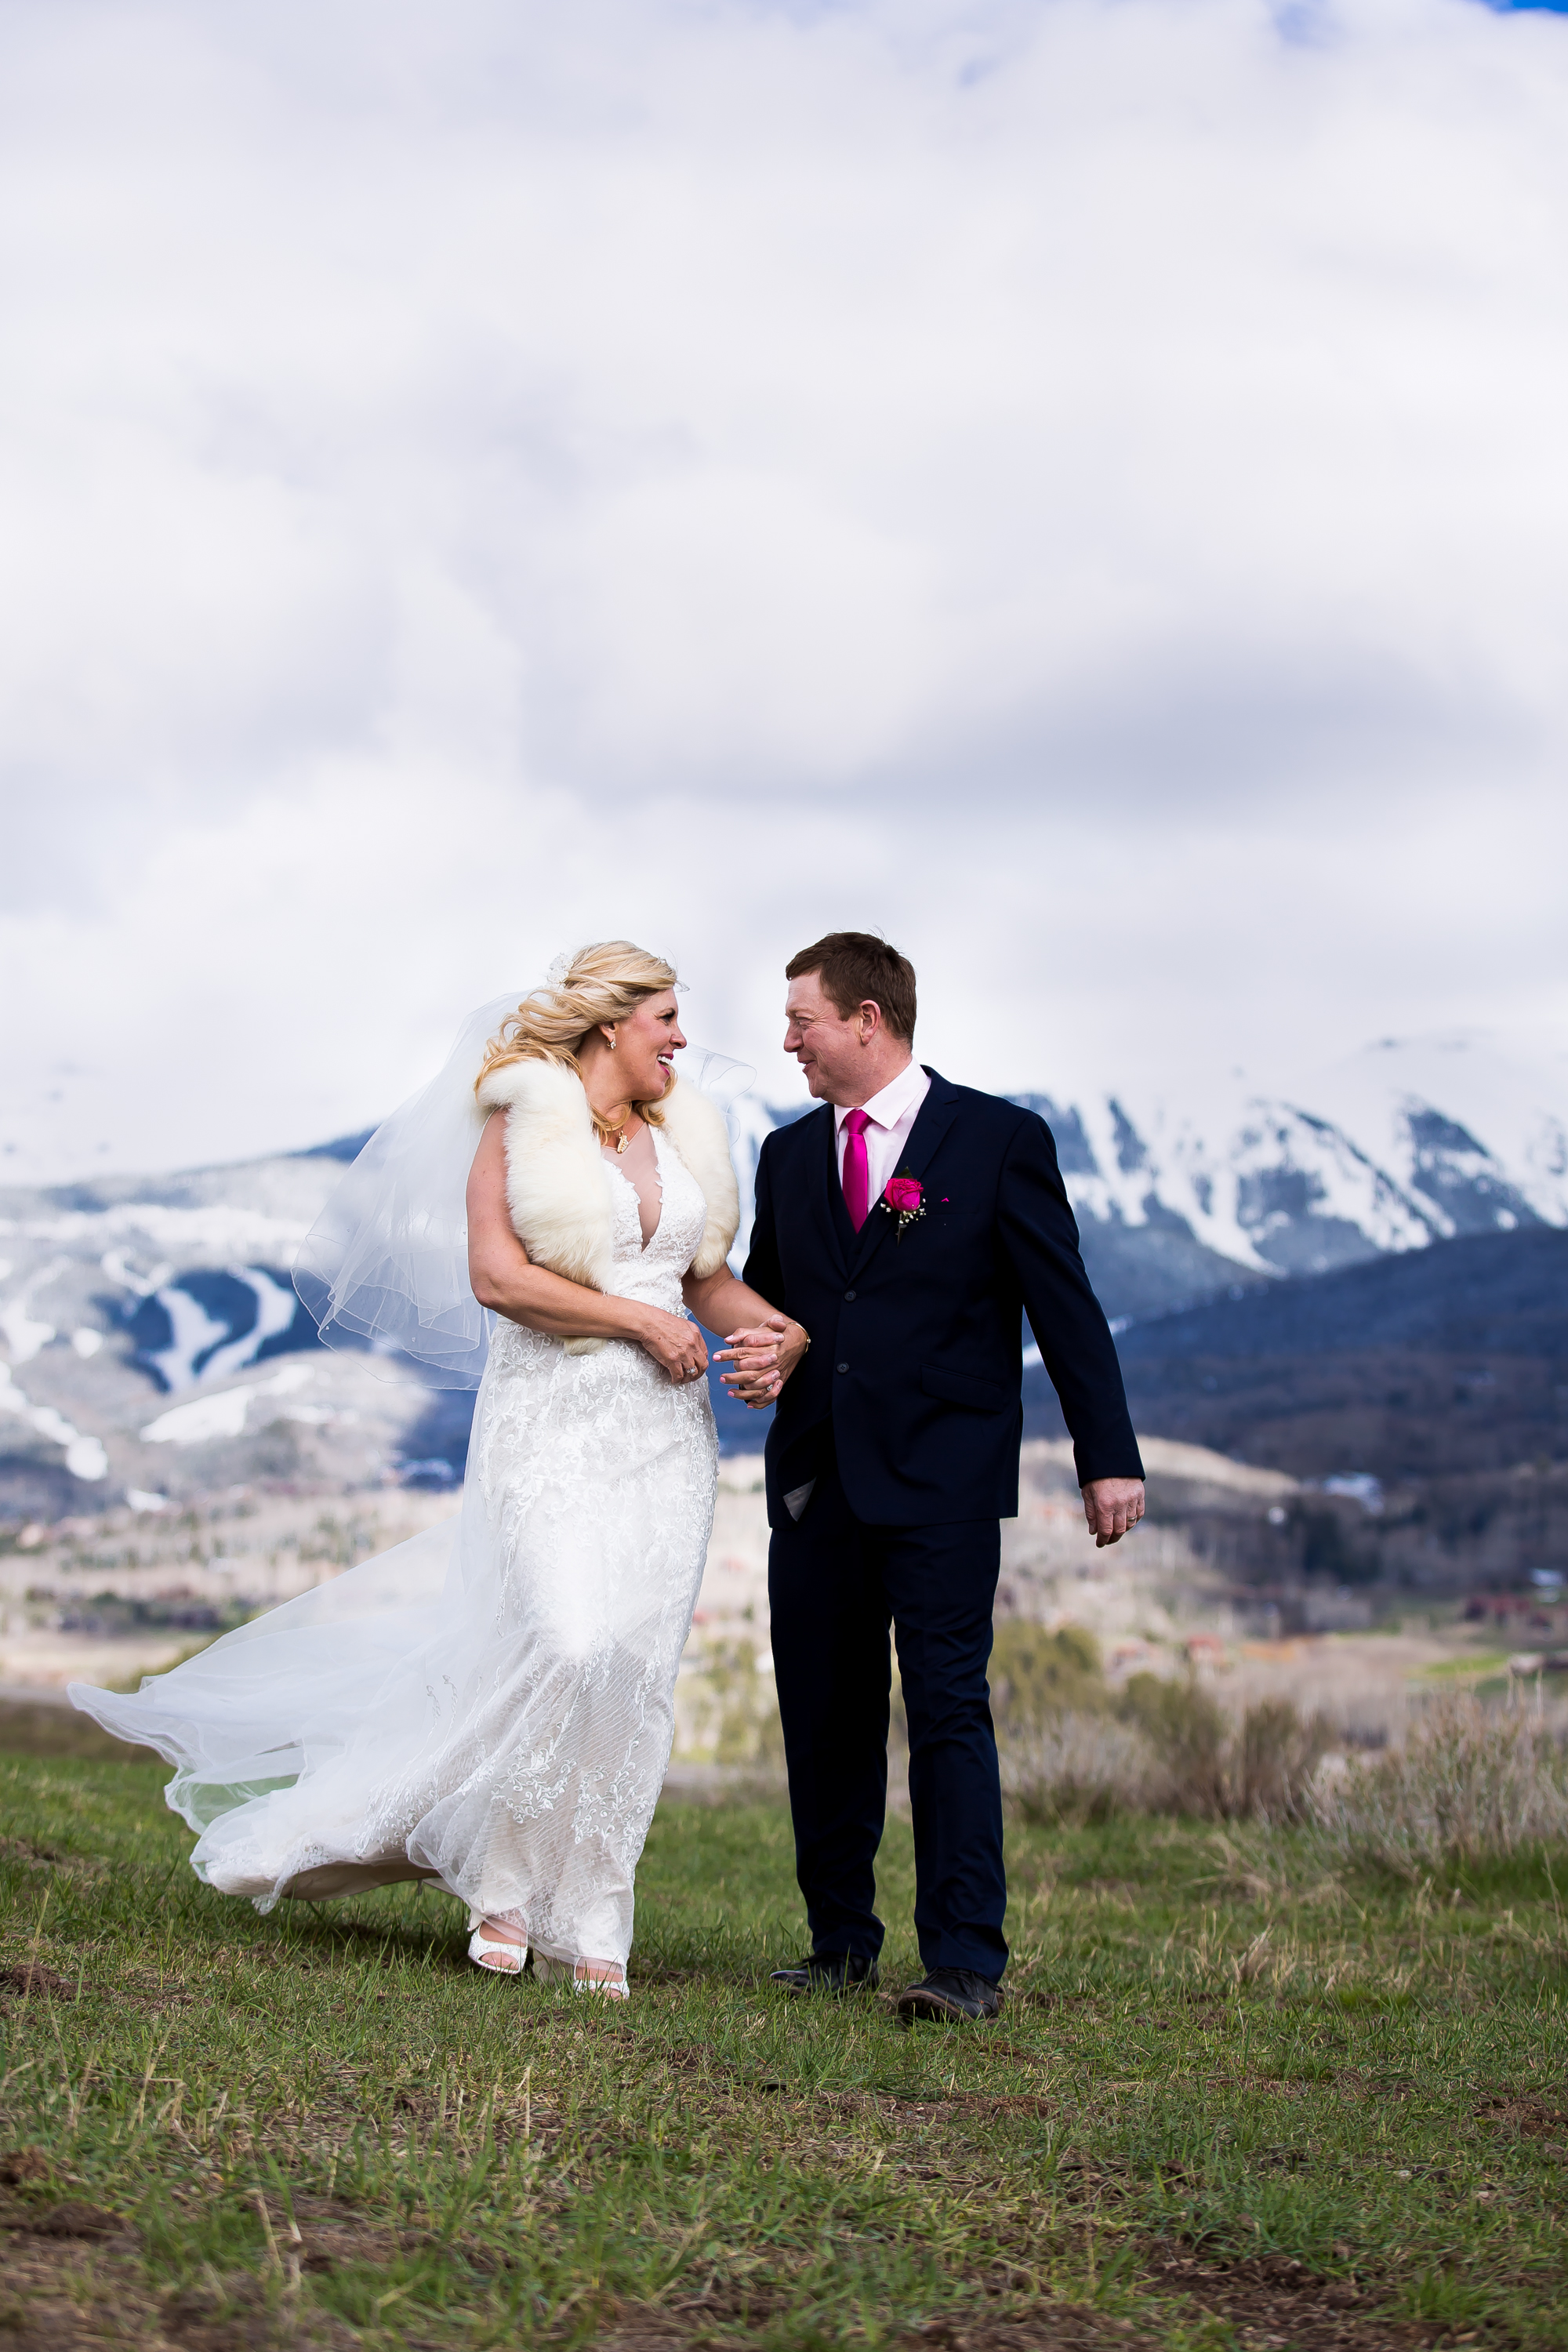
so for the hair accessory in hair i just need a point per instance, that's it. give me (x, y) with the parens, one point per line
(556, 976)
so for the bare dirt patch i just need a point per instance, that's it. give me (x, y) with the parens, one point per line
(242, 2314)
(65, 2297)
(725, 2317)
(31, 1856)
(70, 2217)
(1054, 2328)
(74, 2217)
(320, 2235)
(1272, 2299)
(729, 2318)
(28, 1852)
(72, 2283)
(30, 1977)
(1528, 2115)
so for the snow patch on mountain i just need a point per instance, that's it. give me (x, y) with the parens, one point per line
(203, 1345)
(225, 1414)
(213, 1233)
(85, 1456)
(1403, 1145)
(1478, 1133)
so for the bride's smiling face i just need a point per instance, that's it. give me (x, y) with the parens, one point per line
(646, 1047)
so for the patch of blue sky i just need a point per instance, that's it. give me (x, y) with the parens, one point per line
(1308, 24)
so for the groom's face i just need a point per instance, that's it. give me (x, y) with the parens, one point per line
(830, 1050)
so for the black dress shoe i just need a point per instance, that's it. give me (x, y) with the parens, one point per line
(950, 1992)
(834, 1972)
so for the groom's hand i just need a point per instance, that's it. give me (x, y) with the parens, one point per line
(762, 1360)
(1113, 1507)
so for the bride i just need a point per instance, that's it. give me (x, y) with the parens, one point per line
(489, 1705)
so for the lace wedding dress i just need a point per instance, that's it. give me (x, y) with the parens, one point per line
(491, 1704)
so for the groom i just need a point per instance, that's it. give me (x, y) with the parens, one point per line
(894, 1453)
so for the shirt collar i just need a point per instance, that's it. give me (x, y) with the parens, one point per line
(887, 1109)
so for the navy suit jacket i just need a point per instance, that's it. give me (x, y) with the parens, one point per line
(915, 1367)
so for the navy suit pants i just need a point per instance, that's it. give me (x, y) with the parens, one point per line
(835, 1586)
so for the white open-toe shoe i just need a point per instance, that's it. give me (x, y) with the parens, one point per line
(503, 1955)
(610, 1985)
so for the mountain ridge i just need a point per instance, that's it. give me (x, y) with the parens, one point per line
(116, 1291)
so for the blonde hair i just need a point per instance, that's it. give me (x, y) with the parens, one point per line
(604, 982)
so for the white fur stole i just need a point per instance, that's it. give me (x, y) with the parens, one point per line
(560, 1191)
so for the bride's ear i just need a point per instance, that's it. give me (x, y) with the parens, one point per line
(607, 1031)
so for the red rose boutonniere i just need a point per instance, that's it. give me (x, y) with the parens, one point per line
(904, 1200)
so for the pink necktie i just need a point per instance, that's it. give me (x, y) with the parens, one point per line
(856, 1170)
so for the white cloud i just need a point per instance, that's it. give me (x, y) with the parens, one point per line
(1077, 484)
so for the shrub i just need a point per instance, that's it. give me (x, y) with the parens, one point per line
(1467, 1784)
(1036, 1677)
(1260, 1769)
(1163, 1747)
(1187, 1730)
(1078, 1767)
(1273, 1762)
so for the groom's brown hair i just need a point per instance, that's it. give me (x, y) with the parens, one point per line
(854, 965)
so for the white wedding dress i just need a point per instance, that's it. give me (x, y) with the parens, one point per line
(489, 1705)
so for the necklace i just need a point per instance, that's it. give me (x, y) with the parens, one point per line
(604, 1132)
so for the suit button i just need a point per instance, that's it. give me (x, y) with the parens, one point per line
(850, 1293)
(841, 1368)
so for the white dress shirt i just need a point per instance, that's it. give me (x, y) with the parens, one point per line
(892, 1113)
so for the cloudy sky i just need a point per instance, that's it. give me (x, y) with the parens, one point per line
(1079, 484)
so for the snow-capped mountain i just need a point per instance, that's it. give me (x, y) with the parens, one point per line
(118, 1294)
(1183, 1191)
(1403, 1145)
(140, 1318)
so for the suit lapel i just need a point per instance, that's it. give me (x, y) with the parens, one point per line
(933, 1119)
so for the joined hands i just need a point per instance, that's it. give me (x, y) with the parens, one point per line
(764, 1358)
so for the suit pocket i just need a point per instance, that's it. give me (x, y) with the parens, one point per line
(963, 1388)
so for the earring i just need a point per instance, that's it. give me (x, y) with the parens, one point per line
(612, 1041)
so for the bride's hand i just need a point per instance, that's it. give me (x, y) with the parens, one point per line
(763, 1359)
(675, 1345)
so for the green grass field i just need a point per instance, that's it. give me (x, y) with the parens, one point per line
(1231, 2100)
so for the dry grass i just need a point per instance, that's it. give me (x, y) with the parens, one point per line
(1158, 1747)
(1078, 1767)
(1468, 1784)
